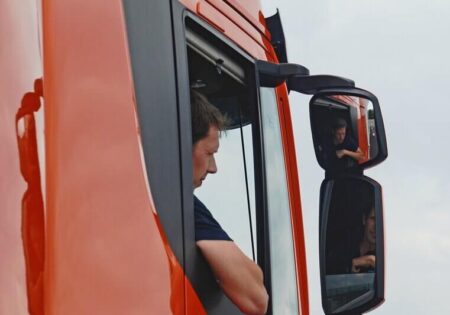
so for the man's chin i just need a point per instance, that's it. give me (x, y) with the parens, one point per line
(198, 184)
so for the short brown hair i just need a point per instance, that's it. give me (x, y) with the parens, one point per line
(338, 124)
(204, 115)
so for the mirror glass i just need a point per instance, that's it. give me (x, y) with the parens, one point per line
(344, 132)
(349, 245)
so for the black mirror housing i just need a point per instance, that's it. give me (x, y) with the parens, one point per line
(351, 245)
(357, 114)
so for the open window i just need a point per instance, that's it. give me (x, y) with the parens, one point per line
(248, 195)
(210, 65)
(223, 77)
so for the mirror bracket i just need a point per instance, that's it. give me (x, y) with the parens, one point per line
(314, 83)
(273, 74)
(298, 78)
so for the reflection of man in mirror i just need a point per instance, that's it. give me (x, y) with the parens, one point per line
(239, 277)
(366, 260)
(341, 154)
(351, 229)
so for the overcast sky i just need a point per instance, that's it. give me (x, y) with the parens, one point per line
(399, 50)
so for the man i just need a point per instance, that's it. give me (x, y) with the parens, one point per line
(238, 276)
(352, 248)
(364, 261)
(341, 154)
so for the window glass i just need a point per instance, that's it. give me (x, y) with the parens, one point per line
(284, 289)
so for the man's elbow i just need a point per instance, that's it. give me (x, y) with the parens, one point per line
(262, 303)
(360, 156)
(257, 305)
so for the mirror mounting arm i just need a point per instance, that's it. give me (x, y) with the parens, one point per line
(314, 83)
(273, 74)
(297, 77)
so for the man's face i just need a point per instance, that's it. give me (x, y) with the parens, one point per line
(203, 161)
(369, 227)
(339, 135)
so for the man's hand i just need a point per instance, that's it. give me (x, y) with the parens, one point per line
(367, 261)
(358, 155)
(238, 276)
(341, 153)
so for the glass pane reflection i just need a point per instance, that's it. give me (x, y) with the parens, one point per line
(350, 247)
(282, 262)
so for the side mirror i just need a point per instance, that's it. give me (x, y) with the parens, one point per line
(351, 245)
(347, 119)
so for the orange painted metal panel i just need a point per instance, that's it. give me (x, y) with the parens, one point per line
(237, 30)
(106, 251)
(237, 18)
(230, 29)
(19, 186)
(106, 254)
(252, 11)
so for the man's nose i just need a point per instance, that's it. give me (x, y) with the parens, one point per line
(212, 166)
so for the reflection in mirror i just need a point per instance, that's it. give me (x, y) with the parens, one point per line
(350, 245)
(344, 132)
(371, 133)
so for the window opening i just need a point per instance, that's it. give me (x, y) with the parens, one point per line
(230, 193)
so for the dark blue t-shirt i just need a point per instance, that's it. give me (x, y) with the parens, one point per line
(335, 166)
(206, 227)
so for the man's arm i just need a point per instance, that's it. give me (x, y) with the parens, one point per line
(367, 261)
(358, 155)
(238, 276)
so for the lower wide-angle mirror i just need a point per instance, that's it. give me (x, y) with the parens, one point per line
(351, 245)
(348, 132)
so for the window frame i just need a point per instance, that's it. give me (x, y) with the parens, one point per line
(161, 158)
(193, 261)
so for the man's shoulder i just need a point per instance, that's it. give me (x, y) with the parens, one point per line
(200, 207)
(350, 143)
(206, 227)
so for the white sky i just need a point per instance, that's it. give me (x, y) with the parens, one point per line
(399, 50)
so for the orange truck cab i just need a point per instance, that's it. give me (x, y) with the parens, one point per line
(96, 194)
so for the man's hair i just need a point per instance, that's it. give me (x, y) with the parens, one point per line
(339, 123)
(204, 115)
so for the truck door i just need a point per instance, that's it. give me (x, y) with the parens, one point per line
(249, 194)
